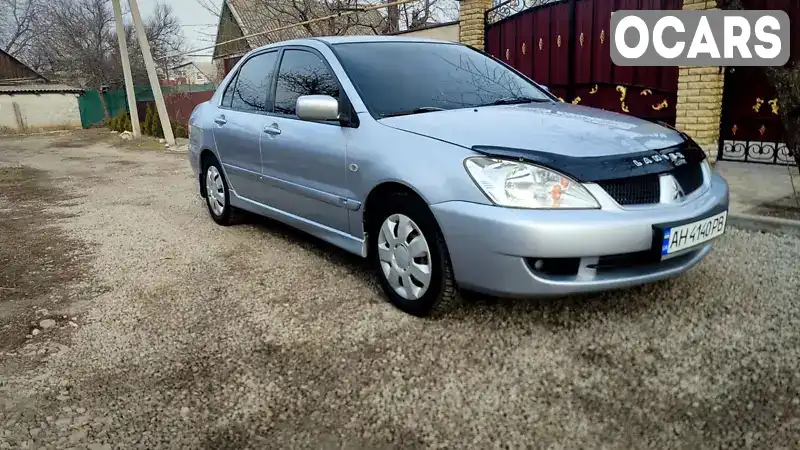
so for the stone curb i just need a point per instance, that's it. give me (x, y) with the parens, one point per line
(764, 223)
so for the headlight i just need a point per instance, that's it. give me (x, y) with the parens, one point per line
(520, 185)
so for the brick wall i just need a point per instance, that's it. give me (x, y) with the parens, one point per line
(699, 104)
(471, 25)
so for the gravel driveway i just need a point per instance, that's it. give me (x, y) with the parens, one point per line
(165, 330)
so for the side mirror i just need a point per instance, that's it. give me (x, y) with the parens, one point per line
(317, 107)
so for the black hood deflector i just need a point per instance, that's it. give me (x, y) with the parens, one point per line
(600, 168)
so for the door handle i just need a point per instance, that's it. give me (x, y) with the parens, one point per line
(220, 120)
(272, 129)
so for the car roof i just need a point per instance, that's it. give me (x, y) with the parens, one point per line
(354, 39)
(333, 40)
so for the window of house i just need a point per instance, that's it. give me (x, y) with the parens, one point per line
(302, 73)
(253, 83)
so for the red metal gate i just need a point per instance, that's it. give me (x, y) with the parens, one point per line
(564, 44)
(751, 128)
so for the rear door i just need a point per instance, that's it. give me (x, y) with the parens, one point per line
(306, 160)
(239, 121)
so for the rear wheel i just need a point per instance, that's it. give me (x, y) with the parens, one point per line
(410, 256)
(217, 193)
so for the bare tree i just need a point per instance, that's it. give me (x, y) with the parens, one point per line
(426, 12)
(77, 44)
(271, 14)
(17, 24)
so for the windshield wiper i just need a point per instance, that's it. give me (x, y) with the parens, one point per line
(420, 110)
(517, 100)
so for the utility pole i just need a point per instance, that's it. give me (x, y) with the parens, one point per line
(126, 69)
(151, 73)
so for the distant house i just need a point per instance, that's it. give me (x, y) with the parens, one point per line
(193, 73)
(241, 18)
(28, 100)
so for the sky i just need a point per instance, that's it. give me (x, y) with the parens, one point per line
(190, 13)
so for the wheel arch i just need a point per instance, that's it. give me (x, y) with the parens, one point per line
(383, 190)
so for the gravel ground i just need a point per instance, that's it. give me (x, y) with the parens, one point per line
(169, 331)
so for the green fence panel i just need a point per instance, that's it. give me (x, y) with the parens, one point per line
(116, 102)
(91, 109)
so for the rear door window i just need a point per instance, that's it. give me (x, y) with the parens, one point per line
(252, 92)
(227, 97)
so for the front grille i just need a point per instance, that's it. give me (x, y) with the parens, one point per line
(626, 260)
(639, 190)
(689, 176)
(645, 189)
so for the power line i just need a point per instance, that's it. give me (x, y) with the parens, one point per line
(348, 12)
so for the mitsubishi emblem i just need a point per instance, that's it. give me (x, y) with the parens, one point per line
(671, 190)
(677, 190)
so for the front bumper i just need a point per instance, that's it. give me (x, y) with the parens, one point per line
(492, 248)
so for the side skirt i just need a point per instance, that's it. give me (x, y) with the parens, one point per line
(338, 238)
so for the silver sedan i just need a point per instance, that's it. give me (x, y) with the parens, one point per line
(450, 170)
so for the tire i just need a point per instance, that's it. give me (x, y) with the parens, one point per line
(397, 254)
(217, 193)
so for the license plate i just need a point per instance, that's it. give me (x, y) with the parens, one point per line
(692, 234)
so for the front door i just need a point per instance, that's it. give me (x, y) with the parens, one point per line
(306, 160)
(239, 122)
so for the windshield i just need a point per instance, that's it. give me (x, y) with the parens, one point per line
(396, 78)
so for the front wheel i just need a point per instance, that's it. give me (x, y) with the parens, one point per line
(411, 258)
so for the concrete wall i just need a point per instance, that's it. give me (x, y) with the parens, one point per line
(445, 33)
(45, 110)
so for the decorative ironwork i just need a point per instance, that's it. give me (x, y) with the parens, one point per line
(734, 128)
(581, 39)
(664, 104)
(645, 92)
(523, 48)
(558, 41)
(576, 100)
(602, 36)
(508, 8)
(774, 105)
(593, 90)
(759, 102)
(623, 92)
(757, 152)
(540, 44)
(508, 54)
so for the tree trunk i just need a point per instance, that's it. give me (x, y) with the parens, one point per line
(103, 102)
(393, 18)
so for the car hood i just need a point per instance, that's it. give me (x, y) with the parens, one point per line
(558, 128)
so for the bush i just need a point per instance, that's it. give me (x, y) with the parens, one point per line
(157, 131)
(121, 122)
(180, 131)
(148, 121)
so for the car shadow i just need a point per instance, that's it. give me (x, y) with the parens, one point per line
(556, 312)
